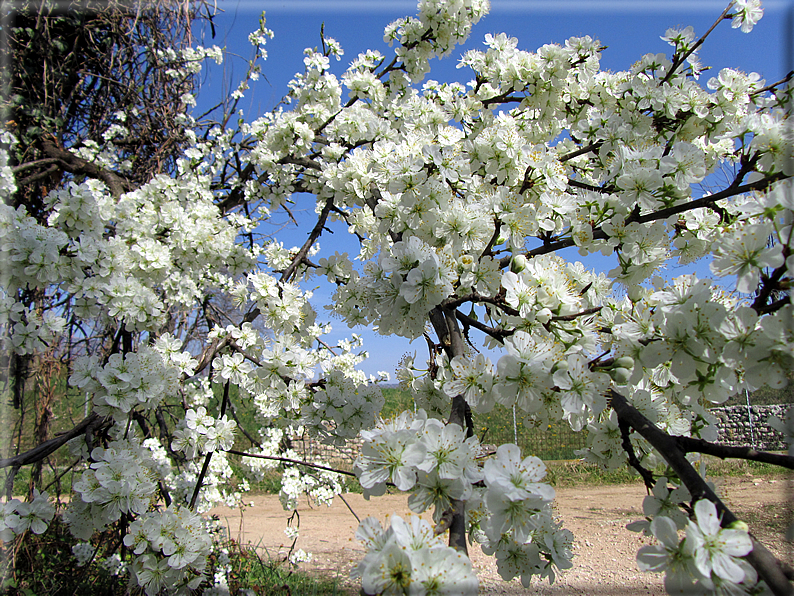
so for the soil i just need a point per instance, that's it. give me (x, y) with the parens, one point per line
(604, 550)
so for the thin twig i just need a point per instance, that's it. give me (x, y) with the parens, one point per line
(287, 460)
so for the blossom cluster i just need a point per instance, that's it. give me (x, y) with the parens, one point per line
(708, 560)
(217, 487)
(120, 480)
(342, 408)
(513, 520)
(321, 486)
(511, 517)
(162, 246)
(436, 461)
(17, 517)
(200, 433)
(135, 379)
(459, 196)
(407, 558)
(171, 548)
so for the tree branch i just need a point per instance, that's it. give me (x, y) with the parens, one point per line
(692, 445)
(287, 460)
(707, 201)
(679, 60)
(498, 334)
(208, 457)
(41, 451)
(446, 326)
(313, 236)
(590, 311)
(475, 297)
(77, 165)
(772, 571)
(581, 151)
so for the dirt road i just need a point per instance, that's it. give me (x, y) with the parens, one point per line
(604, 562)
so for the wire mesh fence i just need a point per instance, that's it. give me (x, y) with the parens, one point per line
(554, 441)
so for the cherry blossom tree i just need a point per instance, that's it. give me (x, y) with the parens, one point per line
(460, 198)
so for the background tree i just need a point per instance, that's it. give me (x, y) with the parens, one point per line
(92, 91)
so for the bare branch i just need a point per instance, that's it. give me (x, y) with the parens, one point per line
(44, 449)
(498, 334)
(287, 460)
(117, 184)
(289, 272)
(581, 151)
(692, 445)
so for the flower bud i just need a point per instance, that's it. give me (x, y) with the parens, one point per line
(636, 292)
(518, 264)
(624, 362)
(621, 376)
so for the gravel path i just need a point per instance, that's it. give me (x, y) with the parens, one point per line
(604, 562)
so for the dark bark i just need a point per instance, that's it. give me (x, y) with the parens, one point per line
(446, 327)
(775, 573)
(41, 451)
(690, 445)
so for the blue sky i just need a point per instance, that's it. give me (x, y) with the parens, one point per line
(628, 28)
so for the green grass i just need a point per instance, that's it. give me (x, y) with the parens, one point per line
(716, 467)
(573, 473)
(569, 474)
(264, 576)
(397, 400)
(44, 566)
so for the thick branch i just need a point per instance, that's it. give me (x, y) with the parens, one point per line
(591, 187)
(449, 334)
(590, 311)
(34, 164)
(237, 194)
(691, 445)
(453, 303)
(39, 452)
(503, 98)
(581, 151)
(209, 353)
(498, 334)
(76, 165)
(769, 285)
(772, 571)
(300, 161)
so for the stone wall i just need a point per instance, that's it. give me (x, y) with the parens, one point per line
(342, 456)
(735, 427)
